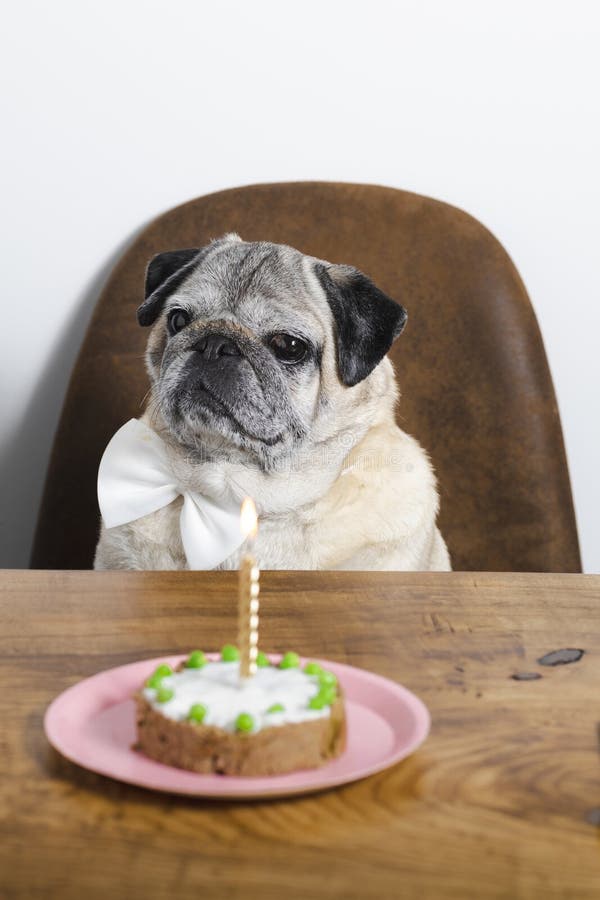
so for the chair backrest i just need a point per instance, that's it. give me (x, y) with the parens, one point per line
(476, 389)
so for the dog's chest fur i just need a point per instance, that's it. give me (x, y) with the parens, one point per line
(379, 514)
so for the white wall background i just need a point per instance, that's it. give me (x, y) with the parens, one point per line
(114, 111)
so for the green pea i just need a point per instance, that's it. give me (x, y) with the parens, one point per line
(229, 653)
(244, 722)
(329, 691)
(196, 660)
(262, 660)
(327, 678)
(163, 670)
(277, 707)
(290, 661)
(163, 694)
(325, 697)
(312, 668)
(197, 713)
(159, 673)
(317, 702)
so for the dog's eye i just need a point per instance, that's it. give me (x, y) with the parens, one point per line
(177, 319)
(287, 348)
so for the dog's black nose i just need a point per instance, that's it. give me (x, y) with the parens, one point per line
(213, 346)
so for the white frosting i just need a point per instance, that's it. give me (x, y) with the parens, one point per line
(217, 686)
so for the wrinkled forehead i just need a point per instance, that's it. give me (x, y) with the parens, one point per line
(259, 284)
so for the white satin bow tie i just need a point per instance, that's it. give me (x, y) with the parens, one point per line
(134, 479)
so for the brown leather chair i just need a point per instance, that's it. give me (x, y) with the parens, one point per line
(476, 389)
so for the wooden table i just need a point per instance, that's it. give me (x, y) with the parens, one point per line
(503, 799)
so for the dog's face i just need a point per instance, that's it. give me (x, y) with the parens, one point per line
(258, 347)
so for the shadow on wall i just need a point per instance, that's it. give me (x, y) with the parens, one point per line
(25, 454)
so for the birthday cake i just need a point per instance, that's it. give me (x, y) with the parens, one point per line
(201, 716)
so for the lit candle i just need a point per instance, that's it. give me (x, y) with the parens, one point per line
(248, 593)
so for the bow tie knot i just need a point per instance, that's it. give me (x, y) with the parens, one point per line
(134, 480)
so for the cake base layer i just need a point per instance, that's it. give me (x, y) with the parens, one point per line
(207, 749)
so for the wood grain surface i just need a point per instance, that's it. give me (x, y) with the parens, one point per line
(502, 801)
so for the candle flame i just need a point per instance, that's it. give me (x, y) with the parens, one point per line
(248, 518)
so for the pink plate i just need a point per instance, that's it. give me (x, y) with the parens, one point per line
(93, 724)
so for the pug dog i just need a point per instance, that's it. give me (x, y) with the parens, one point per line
(269, 379)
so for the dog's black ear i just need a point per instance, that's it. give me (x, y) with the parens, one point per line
(164, 273)
(366, 319)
